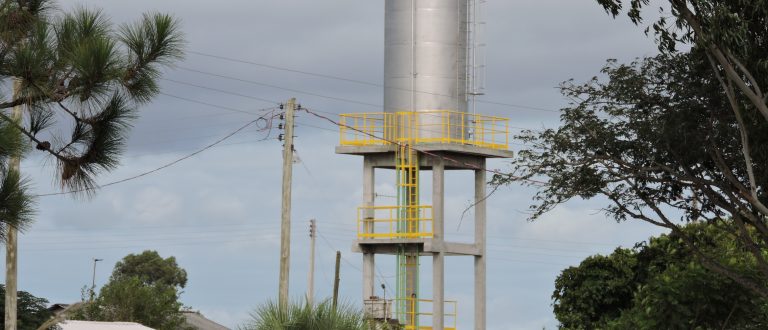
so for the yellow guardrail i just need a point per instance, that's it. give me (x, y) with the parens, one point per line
(422, 313)
(388, 221)
(411, 313)
(438, 126)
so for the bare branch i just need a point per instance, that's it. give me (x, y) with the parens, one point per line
(31, 136)
(730, 71)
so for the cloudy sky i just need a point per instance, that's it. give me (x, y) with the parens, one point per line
(218, 212)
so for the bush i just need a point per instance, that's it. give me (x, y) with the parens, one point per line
(303, 316)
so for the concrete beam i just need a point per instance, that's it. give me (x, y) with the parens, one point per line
(427, 247)
(430, 147)
(448, 160)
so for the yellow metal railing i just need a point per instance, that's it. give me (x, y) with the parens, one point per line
(384, 222)
(438, 126)
(366, 129)
(422, 313)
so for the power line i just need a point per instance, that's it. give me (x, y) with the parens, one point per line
(356, 81)
(208, 104)
(327, 242)
(155, 143)
(168, 164)
(381, 276)
(221, 91)
(173, 151)
(268, 66)
(379, 106)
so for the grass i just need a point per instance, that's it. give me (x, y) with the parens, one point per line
(303, 316)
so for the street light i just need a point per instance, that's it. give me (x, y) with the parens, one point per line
(93, 279)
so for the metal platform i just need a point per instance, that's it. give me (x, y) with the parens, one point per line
(424, 246)
(441, 148)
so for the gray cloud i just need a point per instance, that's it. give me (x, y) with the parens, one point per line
(218, 212)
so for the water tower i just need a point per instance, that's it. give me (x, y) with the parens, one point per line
(430, 80)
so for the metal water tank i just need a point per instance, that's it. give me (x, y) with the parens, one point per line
(425, 63)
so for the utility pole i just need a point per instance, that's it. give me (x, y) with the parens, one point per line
(12, 242)
(285, 223)
(336, 280)
(311, 279)
(93, 279)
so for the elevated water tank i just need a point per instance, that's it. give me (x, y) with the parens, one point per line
(425, 61)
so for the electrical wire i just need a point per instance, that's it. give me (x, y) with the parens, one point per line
(382, 279)
(378, 106)
(356, 81)
(330, 246)
(173, 162)
(209, 104)
(220, 91)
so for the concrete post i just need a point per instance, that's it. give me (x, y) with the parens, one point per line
(480, 232)
(285, 222)
(369, 266)
(438, 259)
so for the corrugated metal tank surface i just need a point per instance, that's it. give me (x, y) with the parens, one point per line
(426, 52)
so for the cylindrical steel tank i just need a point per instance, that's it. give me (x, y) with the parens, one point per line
(425, 63)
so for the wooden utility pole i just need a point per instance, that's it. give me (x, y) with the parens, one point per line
(311, 279)
(336, 280)
(285, 223)
(11, 244)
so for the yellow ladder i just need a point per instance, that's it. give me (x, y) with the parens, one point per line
(407, 167)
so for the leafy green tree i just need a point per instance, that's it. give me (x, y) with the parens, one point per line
(137, 292)
(731, 40)
(151, 268)
(660, 284)
(658, 140)
(131, 300)
(32, 311)
(676, 138)
(596, 291)
(303, 316)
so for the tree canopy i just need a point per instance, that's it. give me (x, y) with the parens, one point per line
(32, 311)
(659, 284)
(151, 269)
(670, 139)
(77, 69)
(144, 288)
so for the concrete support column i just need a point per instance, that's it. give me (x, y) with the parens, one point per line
(438, 259)
(369, 266)
(480, 232)
(369, 273)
